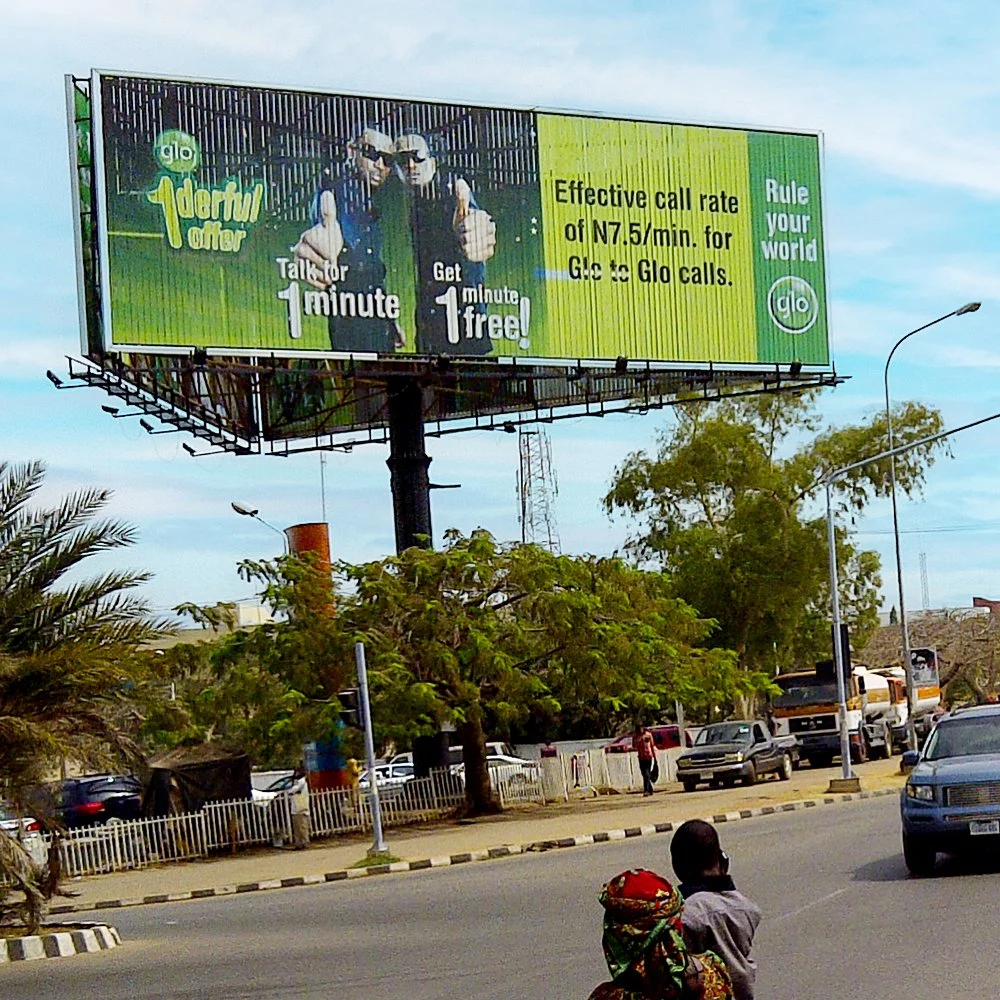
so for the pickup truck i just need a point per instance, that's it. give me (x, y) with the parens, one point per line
(727, 752)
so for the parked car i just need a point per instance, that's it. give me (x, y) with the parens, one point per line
(262, 780)
(507, 772)
(664, 738)
(26, 830)
(97, 798)
(387, 776)
(726, 752)
(265, 796)
(951, 800)
(455, 753)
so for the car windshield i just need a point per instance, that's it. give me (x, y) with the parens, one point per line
(732, 732)
(281, 784)
(964, 738)
(95, 786)
(804, 691)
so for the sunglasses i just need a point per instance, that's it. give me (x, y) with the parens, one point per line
(406, 156)
(373, 154)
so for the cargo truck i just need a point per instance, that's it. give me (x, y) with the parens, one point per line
(809, 708)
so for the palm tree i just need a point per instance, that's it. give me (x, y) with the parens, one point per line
(67, 648)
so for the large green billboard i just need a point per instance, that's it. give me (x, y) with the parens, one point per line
(253, 221)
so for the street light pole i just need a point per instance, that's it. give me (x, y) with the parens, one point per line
(911, 733)
(248, 512)
(828, 482)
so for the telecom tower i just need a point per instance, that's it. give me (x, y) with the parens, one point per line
(537, 490)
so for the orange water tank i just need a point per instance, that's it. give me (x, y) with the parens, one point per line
(312, 537)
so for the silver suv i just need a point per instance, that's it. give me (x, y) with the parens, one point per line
(951, 801)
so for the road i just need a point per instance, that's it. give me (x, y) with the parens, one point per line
(842, 920)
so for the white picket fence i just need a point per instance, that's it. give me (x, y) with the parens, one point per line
(597, 771)
(220, 826)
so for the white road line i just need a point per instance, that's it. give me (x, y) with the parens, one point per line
(808, 906)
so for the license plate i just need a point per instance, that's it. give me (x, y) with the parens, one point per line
(979, 827)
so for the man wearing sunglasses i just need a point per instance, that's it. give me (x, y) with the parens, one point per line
(452, 239)
(344, 244)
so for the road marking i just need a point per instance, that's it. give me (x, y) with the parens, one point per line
(809, 906)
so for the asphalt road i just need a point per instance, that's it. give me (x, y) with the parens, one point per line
(842, 920)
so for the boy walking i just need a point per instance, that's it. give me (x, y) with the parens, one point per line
(717, 916)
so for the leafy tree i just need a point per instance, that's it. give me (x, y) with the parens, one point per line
(492, 636)
(67, 650)
(729, 506)
(615, 646)
(267, 689)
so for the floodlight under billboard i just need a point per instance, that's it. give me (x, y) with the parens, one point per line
(251, 221)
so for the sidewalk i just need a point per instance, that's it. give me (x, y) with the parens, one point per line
(430, 845)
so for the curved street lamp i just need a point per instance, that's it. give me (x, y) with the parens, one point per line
(831, 478)
(911, 733)
(250, 512)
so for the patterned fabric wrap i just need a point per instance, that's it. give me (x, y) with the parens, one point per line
(644, 943)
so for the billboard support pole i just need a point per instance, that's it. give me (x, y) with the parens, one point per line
(408, 463)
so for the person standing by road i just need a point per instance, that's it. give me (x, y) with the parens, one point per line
(642, 744)
(299, 806)
(717, 917)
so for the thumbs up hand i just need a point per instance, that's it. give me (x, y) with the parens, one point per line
(474, 228)
(322, 243)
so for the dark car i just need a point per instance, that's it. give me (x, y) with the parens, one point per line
(96, 798)
(725, 752)
(951, 800)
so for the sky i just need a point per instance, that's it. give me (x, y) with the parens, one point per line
(905, 94)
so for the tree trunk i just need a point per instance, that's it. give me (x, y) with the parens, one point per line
(479, 797)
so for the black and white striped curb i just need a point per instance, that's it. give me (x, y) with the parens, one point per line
(80, 939)
(485, 854)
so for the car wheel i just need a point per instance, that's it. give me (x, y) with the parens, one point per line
(919, 854)
(859, 755)
(750, 775)
(785, 771)
(689, 786)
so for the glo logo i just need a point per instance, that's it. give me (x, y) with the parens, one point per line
(793, 304)
(177, 151)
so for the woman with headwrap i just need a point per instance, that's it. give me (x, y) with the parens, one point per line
(644, 945)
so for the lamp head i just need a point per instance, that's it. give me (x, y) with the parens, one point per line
(969, 307)
(240, 509)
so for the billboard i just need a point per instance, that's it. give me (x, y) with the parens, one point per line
(253, 221)
(924, 668)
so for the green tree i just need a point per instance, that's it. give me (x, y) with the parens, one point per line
(67, 650)
(490, 636)
(615, 646)
(729, 506)
(267, 689)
